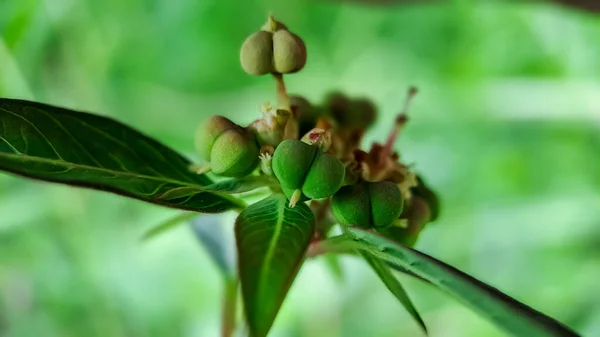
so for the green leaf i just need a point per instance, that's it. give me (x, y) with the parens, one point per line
(507, 313)
(394, 286)
(167, 225)
(208, 229)
(58, 145)
(242, 185)
(272, 240)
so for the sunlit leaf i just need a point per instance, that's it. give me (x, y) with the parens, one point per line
(394, 286)
(272, 239)
(54, 144)
(507, 313)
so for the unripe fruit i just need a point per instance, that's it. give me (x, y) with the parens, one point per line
(306, 171)
(368, 204)
(274, 49)
(256, 55)
(231, 151)
(289, 52)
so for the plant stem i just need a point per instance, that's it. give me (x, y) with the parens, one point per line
(229, 307)
(283, 102)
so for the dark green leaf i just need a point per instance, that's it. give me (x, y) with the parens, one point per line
(208, 229)
(507, 313)
(394, 286)
(272, 240)
(75, 148)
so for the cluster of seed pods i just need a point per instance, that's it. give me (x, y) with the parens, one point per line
(314, 150)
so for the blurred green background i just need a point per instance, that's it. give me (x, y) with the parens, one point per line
(506, 127)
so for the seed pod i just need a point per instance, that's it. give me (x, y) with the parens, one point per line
(368, 204)
(289, 52)
(306, 172)
(256, 55)
(231, 151)
(273, 49)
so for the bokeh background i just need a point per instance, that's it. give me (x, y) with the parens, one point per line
(506, 127)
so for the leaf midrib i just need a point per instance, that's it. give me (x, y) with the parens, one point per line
(67, 164)
(161, 179)
(272, 244)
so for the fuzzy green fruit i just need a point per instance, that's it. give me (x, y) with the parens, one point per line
(368, 204)
(304, 168)
(256, 55)
(231, 151)
(208, 132)
(289, 52)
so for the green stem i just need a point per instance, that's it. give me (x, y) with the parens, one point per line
(229, 307)
(283, 100)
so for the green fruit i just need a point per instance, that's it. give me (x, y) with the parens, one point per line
(368, 204)
(304, 168)
(325, 176)
(256, 55)
(351, 205)
(289, 52)
(209, 132)
(229, 149)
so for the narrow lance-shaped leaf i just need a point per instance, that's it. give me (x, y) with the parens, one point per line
(394, 286)
(507, 313)
(54, 144)
(168, 224)
(272, 240)
(208, 230)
